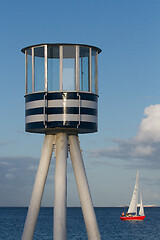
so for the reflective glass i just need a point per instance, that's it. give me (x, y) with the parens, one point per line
(53, 68)
(69, 55)
(84, 65)
(39, 69)
(29, 70)
(93, 61)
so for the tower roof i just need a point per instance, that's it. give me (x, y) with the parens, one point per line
(61, 44)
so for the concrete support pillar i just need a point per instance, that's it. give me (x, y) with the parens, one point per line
(38, 188)
(83, 189)
(60, 197)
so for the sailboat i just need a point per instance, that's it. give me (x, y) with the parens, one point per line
(132, 211)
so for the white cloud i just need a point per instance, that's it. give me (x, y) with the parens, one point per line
(142, 151)
(32, 168)
(144, 148)
(9, 176)
(4, 163)
(16, 179)
(149, 129)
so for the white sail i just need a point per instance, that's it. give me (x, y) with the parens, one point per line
(141, 210)
(134, 200)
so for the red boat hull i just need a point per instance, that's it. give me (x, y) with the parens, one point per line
(132, 218)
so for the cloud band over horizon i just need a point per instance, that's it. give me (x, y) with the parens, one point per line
(144, 148)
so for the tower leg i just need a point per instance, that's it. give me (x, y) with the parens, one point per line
(38, 188)
(60, 231)
(83, 189)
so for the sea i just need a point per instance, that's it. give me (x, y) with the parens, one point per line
(12, 221)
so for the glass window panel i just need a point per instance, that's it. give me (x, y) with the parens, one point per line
(80, 75)
(69, 54)
(53, 68)
(84, 75)
(29, 70)
(93, 61)
(39, 69)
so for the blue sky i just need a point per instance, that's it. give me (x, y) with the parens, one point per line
(128, 32)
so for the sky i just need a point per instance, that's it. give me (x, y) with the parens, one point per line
(128, 137)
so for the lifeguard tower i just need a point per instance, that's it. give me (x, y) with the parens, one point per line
(61, 102)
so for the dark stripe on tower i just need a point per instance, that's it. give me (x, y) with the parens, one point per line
(84, 126)
(34, 111)
(60, 95)
(56, 110)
